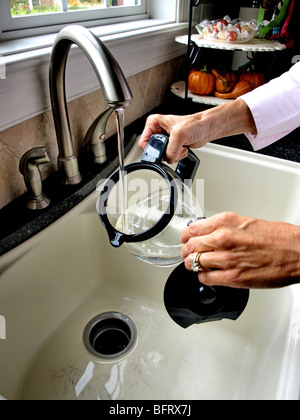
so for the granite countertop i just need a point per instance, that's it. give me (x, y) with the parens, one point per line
(17, 224)
(287, 148)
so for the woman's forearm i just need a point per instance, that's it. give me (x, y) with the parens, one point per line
(227, 120)
(198, 129)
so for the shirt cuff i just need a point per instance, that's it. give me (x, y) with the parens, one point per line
(275, 107)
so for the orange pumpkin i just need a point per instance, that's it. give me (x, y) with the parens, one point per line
(202, 82)
(225, 81)
(255, 78)
(239, 89)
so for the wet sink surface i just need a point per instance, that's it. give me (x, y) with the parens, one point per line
(53, 285)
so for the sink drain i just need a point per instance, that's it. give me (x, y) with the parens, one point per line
(110, 335)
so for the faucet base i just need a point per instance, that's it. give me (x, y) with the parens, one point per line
(38, 203)
(69, 170)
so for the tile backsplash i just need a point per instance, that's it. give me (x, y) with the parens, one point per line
(148, 88)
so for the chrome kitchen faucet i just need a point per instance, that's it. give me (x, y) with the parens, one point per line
(112, 80)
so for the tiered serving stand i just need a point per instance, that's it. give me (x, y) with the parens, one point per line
(255, 45)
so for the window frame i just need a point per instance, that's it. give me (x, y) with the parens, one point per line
(46, 23)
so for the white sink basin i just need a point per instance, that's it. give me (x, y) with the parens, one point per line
(55, 283)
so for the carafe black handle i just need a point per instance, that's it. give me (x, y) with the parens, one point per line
(187, 168)
(155, 151)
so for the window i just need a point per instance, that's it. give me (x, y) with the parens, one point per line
(150, 25)
(42, 14)
(31, 7)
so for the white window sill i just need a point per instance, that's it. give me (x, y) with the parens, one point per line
(137, 46)
(23, 44)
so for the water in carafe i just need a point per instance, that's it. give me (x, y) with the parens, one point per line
(164, 249)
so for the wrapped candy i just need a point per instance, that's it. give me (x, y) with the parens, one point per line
(228, 30)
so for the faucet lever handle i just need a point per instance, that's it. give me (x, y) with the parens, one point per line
(96, 135)
(29, 168)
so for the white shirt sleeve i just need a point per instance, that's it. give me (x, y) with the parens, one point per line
(275, 107)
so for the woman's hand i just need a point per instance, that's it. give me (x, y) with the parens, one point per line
(246, 252)
(183, 131)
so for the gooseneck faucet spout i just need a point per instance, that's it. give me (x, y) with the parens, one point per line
(112, 80)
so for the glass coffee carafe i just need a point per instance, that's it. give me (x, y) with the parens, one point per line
(147, 206)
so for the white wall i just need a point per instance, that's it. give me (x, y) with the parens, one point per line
(160, 9)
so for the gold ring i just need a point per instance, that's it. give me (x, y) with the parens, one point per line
(197, 258)
(195, 262)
